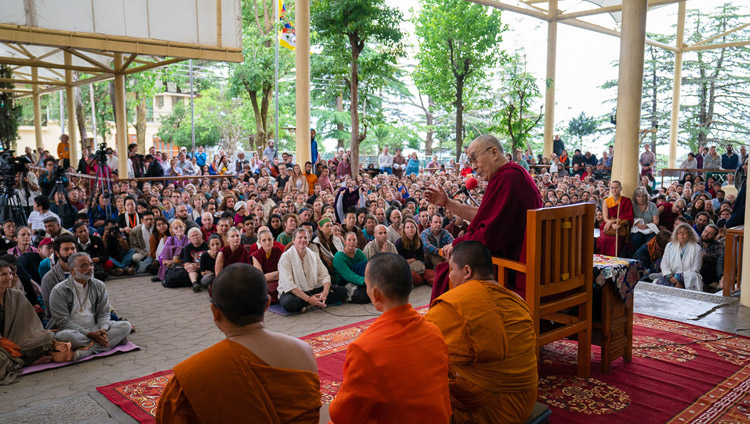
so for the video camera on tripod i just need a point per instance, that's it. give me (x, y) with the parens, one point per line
(11, 208)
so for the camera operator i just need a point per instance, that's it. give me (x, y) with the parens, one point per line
(47, 177)
(65, 210)
(118, 249)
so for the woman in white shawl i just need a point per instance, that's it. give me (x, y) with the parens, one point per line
(683, 257)
(646, 223)
(303, 278)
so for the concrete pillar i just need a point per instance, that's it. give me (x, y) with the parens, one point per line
(121, 119)
(302, 62)
(71, 111)
(37, 109)
(630, 87)
(549, 96)
(745, 277)
(674, 123)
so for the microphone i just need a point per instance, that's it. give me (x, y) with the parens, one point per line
(471, 184)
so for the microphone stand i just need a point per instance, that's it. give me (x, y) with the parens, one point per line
(472, 199)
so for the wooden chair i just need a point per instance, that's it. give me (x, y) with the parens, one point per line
(559, 275)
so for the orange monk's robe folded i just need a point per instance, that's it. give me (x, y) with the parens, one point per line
(492, 348)
(227, 383)
(395, 372)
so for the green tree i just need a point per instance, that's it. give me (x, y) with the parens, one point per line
(357, 24)
(516, 118)
(254, 77)
(582, 126)
(458, 47)
(9, 112)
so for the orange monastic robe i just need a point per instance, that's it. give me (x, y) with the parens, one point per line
(395, 372)
(227, 383)
(492, 349)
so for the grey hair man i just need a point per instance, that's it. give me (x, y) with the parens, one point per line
(80, 309)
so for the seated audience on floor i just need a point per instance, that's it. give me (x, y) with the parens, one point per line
(682, 261)
(118, 249)
(94, 246)
(191, 256)
(281, 383)
(650, 254)
(646, 219)
(208, 261)
(397, 370)
(156, 243)
(380, 243)
(409, 246)
(349, 270)
(171, 257)
(23, 283)
(303, 279)
(23, 340)
(233, 252)
(80, 310)
(712, 267)
(267, 259)
(291, 222)
(23, 242)
(434, 238)
(139, 237)
(493, 356)
(328, 243)
(64, 246)
(40, 213)
(52, 227)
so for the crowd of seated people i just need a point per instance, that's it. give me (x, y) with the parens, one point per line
(312, 233)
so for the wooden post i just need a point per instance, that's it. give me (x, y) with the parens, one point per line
(745, 280)
(630, 86)
(674, 123)
(302, 62)
(37, 108)
(71, 106)
(549, 96)
(121, 118)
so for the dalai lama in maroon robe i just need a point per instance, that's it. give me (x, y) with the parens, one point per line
(500, 221)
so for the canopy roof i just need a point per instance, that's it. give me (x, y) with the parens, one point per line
(148, 33)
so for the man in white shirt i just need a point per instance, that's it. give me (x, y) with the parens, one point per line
(385, 162)
(41, 211)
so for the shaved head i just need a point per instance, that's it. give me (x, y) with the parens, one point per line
(487, 140)
(391, 273)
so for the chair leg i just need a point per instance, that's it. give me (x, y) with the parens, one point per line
(584, 354)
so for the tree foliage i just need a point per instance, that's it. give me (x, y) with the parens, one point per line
(358, 26)
(582, 126)
(458, 47)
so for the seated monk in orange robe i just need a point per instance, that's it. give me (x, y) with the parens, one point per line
(491, 342)
(255, 375)
(397, 370)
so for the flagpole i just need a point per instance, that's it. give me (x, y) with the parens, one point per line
(276, 74)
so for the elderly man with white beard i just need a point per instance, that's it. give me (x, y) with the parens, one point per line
(80, 310)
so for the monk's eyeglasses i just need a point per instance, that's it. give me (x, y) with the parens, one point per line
(473, 158)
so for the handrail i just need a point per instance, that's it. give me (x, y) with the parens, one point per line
(676, 172)
(733, 259)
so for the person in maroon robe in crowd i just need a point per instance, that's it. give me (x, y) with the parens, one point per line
(266, 259)
(500, 221)
(614, 207)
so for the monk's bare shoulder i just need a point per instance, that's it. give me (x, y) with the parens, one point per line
(282, 351)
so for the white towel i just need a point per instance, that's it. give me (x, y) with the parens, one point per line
(650, 228)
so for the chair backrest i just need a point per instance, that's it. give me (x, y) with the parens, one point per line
(559, 250)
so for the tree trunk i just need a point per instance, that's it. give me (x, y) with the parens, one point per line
(340, 125)
(80, 116)
(140, 123)
(430, 117)
(459, 117)
(260, 130)
(354, 110)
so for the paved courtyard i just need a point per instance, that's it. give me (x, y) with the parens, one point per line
(172, 324)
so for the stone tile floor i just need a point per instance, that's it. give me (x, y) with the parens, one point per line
(172, 324)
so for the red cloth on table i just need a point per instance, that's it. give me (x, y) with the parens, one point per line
(500, 222)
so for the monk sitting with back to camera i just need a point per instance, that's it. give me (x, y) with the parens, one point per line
(397, 370)
(255, 375)
(491, 341)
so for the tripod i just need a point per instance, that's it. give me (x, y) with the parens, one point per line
(103, 181)
(11, 208)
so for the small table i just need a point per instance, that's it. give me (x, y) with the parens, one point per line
(614, 285)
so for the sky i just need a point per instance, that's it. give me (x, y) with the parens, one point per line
(584, 58)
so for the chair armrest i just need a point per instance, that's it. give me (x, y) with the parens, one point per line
(509, 264)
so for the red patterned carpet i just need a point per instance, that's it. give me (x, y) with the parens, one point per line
(680, 373)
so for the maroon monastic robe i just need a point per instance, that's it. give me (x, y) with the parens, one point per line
(270, 264)
(239, 255)
(500, 223)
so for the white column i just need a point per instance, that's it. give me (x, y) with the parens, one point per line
(121, 118)
(302, 62)
(71, 106)
(37, 109)
(676, 85)
(549, 96)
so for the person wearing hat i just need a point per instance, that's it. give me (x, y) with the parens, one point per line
(239, 164)
(240, 212)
